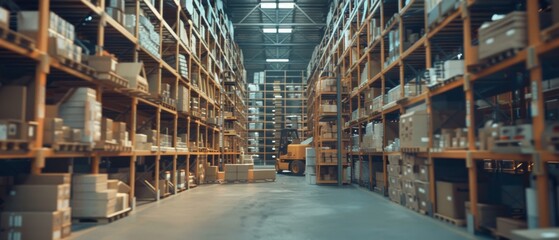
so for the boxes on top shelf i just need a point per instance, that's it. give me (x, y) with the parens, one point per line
(508, 33)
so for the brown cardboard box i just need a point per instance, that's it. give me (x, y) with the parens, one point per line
(487, 214)
(31, 225)
(231, 176)
(66, 215)
(264, 174)
(11, 129)
(123, 187)
(45, 179)
(112, 184)
(450, 199)
(38, 198)
(104, 195)
(106, 129)
(422, 191)
(89, 187)
(393, 170)
(243, 168)
(66, 231)
(411, 202)
(220, 175)
(505, 226)
(93, 208)
(422, 173)
(408, 187)
(211, 171)
(394, 182)
(52, 124)
(230, 167)
(89, 178)
(395, 195)
(102, 63)
(536, 234)
(408, 172)
(50, 137)
(13, 102)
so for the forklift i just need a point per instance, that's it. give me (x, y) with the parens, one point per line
(291, 154)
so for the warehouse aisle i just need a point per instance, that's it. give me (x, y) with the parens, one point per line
(286, 209)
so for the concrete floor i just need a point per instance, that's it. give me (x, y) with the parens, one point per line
(285, 209)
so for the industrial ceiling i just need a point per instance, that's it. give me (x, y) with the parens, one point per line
(255, 21)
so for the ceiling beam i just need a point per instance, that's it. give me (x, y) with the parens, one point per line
(276, 44)
(278, 24)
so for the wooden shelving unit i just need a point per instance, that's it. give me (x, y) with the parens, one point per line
(215, 80)
(354, 47)
(277, 100)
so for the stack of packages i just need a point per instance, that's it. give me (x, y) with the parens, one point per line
(166, 96)
(370, 94)
(413, 130)
(82, 111)
(378, 102)
(122, 194)
(413, 88)
(237, 172)
(378, 135)
(106, 133)
(149, 39)
(183, 103)
(394, 169)
(393, 95)
(61, 34)
(181, 181)
(115, 9)
(54, 131)
(378, 176)
(121, 135)
(183, 35)
(91, 197)
(374, 66)
(38, 209)
(13, 101)
(415, 185)
(211, 173)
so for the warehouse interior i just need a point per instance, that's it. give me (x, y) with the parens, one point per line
(279, 119)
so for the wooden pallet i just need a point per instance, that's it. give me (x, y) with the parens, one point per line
(113, 80)
(78, 66)
(493, 60)
(414, 149)
(14, 145)
(457, 222)
(445, 82)
(111, 147)
(16, 38)
(263, 181)
(103, 220)
(234, 182)
(71, 147)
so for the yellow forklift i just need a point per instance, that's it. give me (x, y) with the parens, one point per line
(291, 153)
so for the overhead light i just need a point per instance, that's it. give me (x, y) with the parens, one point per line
(286, 5)
(268, 5)
(285, 30)
(277, 60)
(270, 30)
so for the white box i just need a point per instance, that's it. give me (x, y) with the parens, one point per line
(453, 68)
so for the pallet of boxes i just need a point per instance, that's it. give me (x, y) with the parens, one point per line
(16, 134)
(95, 198)
(37, 208)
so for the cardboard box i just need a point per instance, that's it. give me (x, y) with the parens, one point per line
(31, 225)
(395, 195)
(66, 216)
(411, 202)
(505, 226)
(45, 179)
(112, 184)
(535, 234)
(102, 64)
(487, 214)
(66, 231)
(263, 174)
(53, 124)
(38, 198)
(13, 100)
(89, 178)
(451, 198)
(89, 187)
(394, 182)
(220, 175)
(231, 167)
(408, 187)
(502, 35)
(422, 193)
(211, 171)
(103, 195)
(4, 17)
(422, 173)
(93, 208)
(122, 201)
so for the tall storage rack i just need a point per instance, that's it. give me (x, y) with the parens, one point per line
(276, 100)
(211, 56)
(384, 50)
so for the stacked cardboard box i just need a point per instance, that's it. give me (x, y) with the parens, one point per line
(393, 95)
(415, 171)
(91, 196)
(38, 209)
(122, 195)
(370, 95)
(261, 174)
(61, 34)
(211, 173)
(82, 111)
(237, 172)
(115, 9)
(121, 135)
(394, 170)
(503, 35)
(326, 85)
(149, 39)
(413, 129)
(13, 124)
(181, 181)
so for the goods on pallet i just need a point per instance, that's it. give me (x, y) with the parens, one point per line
(81, 111)
(38, 209)
(13, 124)
(61, 34)
(488, 214)
(451, 197)
(91, 196)
(508, 33)
(237, 172)
(148, 38)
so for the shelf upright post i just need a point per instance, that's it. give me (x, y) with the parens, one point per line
(339, 125)
(40, 84)
(470, 121)
(188, 127)
(158, 155)
(132, 170)
(538, 115)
